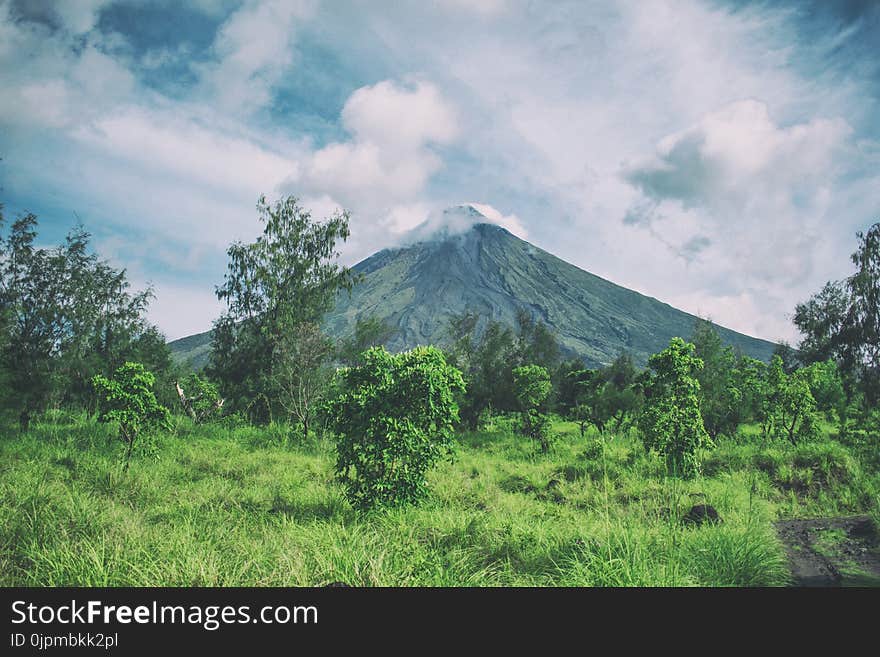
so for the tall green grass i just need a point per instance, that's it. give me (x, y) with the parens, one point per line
(229, 506)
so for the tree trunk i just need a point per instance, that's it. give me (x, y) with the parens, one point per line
(128, 455)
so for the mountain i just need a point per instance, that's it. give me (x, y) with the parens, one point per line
(468, 264)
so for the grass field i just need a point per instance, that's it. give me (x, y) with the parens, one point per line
(228, 506)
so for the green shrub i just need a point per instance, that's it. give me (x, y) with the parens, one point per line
(671, 423)
(393, 416)
(532, 386)
(128, 399)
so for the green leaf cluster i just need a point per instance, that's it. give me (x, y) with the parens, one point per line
(394, 417)
(671, 422)
(128, 400)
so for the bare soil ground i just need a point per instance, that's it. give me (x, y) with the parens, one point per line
(832, 551)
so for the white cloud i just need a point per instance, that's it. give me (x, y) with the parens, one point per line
(254, 48)
(389, 158)
(509, 221)
(179, 146)
(753, 197)
(181, 310)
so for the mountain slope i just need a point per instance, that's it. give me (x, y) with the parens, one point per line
(417, 289)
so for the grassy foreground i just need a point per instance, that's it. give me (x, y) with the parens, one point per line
(247, 506)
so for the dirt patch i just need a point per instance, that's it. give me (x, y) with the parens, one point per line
(832, 551)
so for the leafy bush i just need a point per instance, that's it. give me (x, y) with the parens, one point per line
(531, 386)
(128, 400)
(200, 399)
(789, 407)
(393, 416)
(671, 423)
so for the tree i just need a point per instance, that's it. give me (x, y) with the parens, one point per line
(287, 277)
(821, 320)
(567, 380)
(671, 422)
(607, 397)
(202, 403)
(826, 387)
(531, 385)
(368, 332)
(128, 400)
(487, 362)
(68, 316)
(842, 321)
(750, 378)
(301, 372)
(720, 397)
(393, 417)
(789, 409)
(862, 325)
(788, 355)
(535, 343)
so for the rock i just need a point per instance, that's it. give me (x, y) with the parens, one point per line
(700, 514)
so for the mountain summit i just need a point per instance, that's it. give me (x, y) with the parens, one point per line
(485, 269)
(461, 263)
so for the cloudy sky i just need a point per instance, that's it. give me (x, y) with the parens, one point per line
(718, 155)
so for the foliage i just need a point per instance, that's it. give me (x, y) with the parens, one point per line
(826, 386)
(302, 373)
(531, 385)
(67, 315)
(567, 380)
(789, 407)
(535, 343)
(842, 321)
(393, 417)
(608, 396)
(788, 355)
(720, 396)
(200, 398)
(368, 332)
(671, 422)
(285, 278)
(750, 378)
(487, 362)
(488, 357)
(128, 400)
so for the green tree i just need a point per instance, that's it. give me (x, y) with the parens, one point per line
(720, 396)
(671, 422)
(394, 417)
(535, 343)
(532, 387)
(567, 380)
(826, 386)
(68, 316)
(750, 377)
(607, 397)
(287, 277)
(487, 361)
(789, 408)
(128, 400)
(199, 398)
(368, 332)
(302, 373)
(842, 321)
